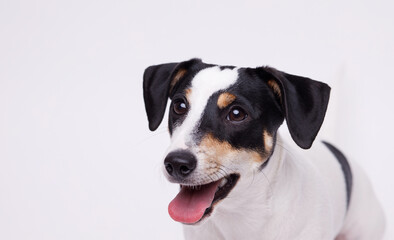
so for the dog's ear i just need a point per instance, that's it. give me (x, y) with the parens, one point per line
(159, 81)
(304, 103)
(156, 87)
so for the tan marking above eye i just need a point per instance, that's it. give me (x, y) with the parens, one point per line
(188, 92)
(268, 141)
(177, 77)
(225, 99)
(275, 87)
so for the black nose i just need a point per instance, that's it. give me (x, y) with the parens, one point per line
(180, 164)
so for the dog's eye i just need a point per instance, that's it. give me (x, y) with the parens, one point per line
(180, 107)
(237, 114)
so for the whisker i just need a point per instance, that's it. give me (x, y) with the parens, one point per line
(223, 173)
(226, 168)
(268, 181)
(217, 175)
(155, 134)
(285, 148)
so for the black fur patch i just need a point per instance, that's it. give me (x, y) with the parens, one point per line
(347, 172)
(302, 102)
(256, 98)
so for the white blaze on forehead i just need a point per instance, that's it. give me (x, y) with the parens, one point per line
(204, 84)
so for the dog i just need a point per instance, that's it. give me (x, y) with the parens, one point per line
(239, 178)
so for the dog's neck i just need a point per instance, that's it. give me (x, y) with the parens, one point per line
(247, 211)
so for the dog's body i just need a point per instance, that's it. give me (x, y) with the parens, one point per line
(299, 195)
(239, 179)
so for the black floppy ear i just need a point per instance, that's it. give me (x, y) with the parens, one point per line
(156, 89)
(304, 103)
(159, 81)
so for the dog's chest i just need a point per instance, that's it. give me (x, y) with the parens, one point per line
(296, 193)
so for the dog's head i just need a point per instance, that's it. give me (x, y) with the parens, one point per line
(223, 122)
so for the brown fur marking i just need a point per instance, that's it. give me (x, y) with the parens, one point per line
(274, 85)
(217, 150)
(225, 99)
(188, 92)
(268, 141)
(177, 77)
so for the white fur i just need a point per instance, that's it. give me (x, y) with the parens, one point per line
(299, 195)
(204, 84)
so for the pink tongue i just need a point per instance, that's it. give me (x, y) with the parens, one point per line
(190, 204)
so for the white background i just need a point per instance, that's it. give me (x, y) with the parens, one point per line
(76, 158)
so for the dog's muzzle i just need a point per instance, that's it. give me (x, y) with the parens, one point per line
(194, 202)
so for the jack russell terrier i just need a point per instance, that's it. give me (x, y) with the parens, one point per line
(238, 178)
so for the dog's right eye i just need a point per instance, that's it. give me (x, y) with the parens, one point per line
(180, 107)
(237, 114)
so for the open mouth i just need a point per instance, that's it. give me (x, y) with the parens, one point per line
(193, 203)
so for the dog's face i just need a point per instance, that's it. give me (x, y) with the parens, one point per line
(223, 123)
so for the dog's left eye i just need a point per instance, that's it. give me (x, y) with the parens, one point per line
(180, 107)
(237, 114)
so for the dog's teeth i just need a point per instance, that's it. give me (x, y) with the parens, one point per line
(223, 182)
